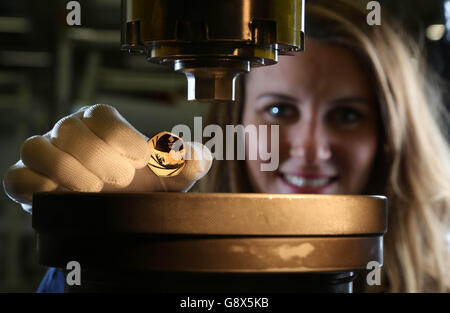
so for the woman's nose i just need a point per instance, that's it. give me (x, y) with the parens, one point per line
(310, 143)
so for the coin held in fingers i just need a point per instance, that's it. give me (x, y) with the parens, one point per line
(167, 154)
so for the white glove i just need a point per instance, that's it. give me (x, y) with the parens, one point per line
(93, 150)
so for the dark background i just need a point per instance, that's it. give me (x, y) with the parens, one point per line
(48, 70)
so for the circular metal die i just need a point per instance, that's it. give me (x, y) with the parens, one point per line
(234, 214)
(196, 232)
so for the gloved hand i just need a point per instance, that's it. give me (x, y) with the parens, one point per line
(93, 150)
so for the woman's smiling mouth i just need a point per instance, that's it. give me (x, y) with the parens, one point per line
(308, 183)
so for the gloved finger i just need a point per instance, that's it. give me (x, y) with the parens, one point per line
(107, 123)
(39, 155)
(78, 114)
(199, 163)
(20, 183)
(74, 137)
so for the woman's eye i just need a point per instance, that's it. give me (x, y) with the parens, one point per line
(346, 115)
(281, 112)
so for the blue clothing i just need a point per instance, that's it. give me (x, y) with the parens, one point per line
(53, 282)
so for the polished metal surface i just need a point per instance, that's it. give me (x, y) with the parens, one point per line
(213, 42)
(211, 213)
(210, 241)
(213, 255)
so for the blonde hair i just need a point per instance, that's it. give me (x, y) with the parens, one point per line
(414, 155)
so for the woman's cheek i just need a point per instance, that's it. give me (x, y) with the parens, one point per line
(356, 157)
(251, 159)
(260, 153)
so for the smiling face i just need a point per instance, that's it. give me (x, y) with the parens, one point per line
(325, 106)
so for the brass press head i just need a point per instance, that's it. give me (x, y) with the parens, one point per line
(213, 42)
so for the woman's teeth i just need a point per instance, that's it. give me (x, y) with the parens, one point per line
(307, 182)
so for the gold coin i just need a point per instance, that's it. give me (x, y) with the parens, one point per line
(167, 154)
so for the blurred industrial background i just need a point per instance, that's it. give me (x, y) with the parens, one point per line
(49, 69)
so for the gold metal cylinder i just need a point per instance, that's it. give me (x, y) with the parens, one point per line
(213, 42)
(232, 242)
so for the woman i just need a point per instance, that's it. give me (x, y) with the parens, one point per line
(357, 116)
